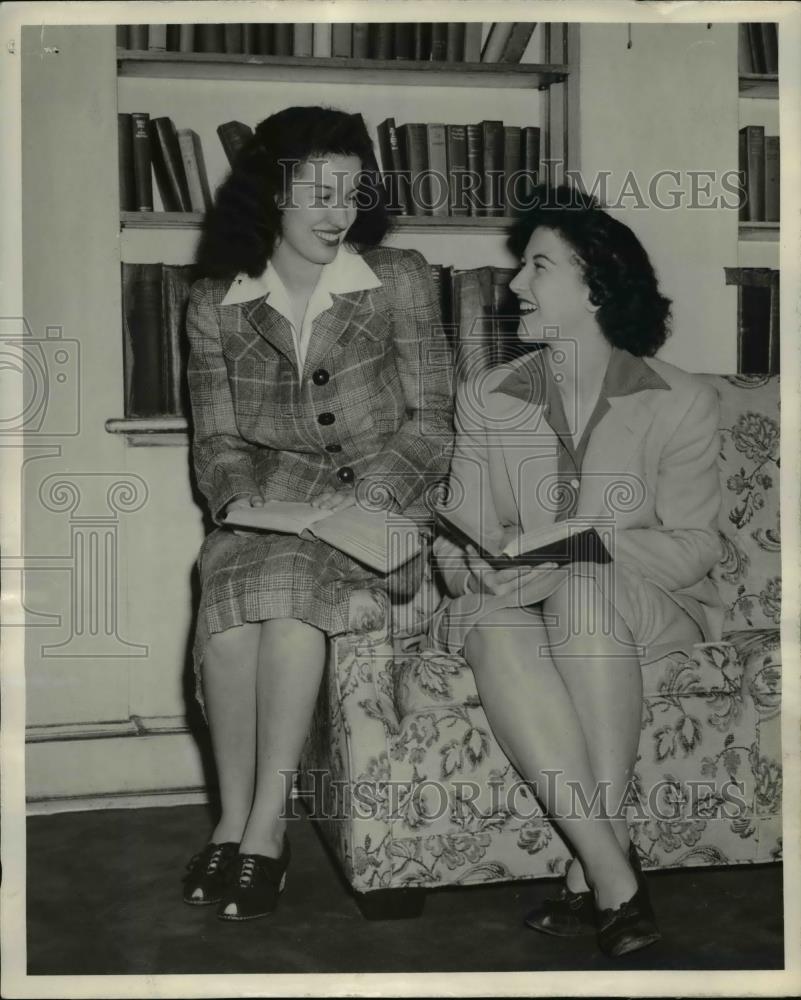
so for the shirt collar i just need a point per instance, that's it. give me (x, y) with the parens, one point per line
(625, 375)
(347, 272)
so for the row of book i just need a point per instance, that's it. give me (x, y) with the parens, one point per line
(486, 168)
(759, 47)
(153, 146)
(759, 158)
(502, 41)
(479, 316)
(758, 332)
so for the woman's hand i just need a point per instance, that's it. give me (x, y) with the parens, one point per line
(247, 501)
(334, 499)
(483, 579)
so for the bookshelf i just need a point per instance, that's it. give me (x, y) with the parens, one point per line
(199, 90)
(756, 277)
(385, 72)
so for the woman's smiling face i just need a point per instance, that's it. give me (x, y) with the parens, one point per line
(320, 208)
(551, 289)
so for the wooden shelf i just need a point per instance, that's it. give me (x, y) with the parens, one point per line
(759, 85)
(412, 223)
(151, 430)
(299, 69)
(764, 232)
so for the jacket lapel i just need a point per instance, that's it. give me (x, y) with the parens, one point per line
(271, 325)
(350, 315)
(613, 450)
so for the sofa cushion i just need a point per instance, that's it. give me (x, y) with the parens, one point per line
(749, 575)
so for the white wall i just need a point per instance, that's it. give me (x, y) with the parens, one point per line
(670, 102)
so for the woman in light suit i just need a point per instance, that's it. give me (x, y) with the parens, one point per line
(583, 427)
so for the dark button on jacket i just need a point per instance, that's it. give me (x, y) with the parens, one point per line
(345, 474)
(320, 376)
(326, 419)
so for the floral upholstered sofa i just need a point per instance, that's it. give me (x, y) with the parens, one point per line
(411, 790)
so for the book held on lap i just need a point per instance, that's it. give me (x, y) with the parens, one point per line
(562, 542)
(379, 540)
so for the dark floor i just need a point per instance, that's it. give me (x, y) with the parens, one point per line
(104, 897)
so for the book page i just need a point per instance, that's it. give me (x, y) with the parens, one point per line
(371, 537)
(277, 515)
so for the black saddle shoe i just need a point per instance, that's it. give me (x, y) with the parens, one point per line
(207, 874)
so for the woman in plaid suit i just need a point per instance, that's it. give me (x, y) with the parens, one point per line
(317, 369)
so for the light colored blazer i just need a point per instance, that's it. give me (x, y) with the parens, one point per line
(650, 465)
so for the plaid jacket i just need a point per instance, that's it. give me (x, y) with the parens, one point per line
(376, 397)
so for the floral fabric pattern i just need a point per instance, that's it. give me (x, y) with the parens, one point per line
(411, 789)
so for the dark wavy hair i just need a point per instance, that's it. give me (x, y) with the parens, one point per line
(240, 230)
(632, 312)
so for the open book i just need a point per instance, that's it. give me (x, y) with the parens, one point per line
(379, 540)
(562, 542)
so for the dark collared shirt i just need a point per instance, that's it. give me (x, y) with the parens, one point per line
(533, 382)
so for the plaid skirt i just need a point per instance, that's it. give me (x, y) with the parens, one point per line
(257, 576)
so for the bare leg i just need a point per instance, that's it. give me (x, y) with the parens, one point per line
(229, 685)
(291, 659)
(534, 719)
(595, 654)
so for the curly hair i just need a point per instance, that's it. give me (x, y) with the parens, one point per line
(632, 313)
(240, 230)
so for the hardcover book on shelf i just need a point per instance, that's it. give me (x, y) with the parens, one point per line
(530, 156)
(264, 34)
(414, 146)
(210, 37)
(753, 166)
(381, 40)
(250, 38)
(321, 40)
(475, 169)
(404, 39)
(492, 140)
(517, 42)
(168, 166)
(142, 161)
(138, 37)
(233, 136)
(758, 333)
(378, 540)
(342, 41)
(422, 41)
(143, 346)
(562, 542)
(436, 196)
(512, 165)
(772, 187)
(496, 41)
(456, 139)
(128, 202)
(303, 40)
(439, 41)
(455, 41)
(361, 40)
(186, 38)
(176, 281)
(157, 37)
(393, 167)
(282, 39)
(232, 39)
(195, 170)
(472, 42)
